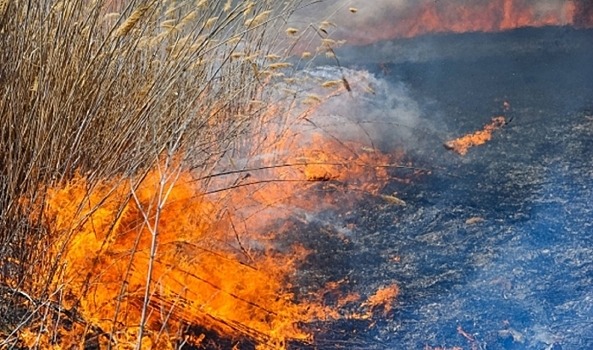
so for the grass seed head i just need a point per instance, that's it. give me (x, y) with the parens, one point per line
(279, 65)
(237, 54)
(210, 22)
(247, 7)
(227, 6)
(202, 3)
(188, 19)
(273, 57)
(257, 20)
(111, 16)
(134, 18)
(331, 84)
(3, 7)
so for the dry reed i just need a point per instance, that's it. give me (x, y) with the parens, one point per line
(103, 89)
(134, 18)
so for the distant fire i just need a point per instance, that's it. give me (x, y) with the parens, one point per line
(413, 18)
(583, 14)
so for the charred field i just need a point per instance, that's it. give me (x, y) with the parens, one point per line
(494, 249)
(425, 193)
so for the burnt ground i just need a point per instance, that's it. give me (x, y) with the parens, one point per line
(494, 250)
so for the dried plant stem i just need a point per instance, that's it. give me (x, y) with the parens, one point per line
(100, 93)
(134, 18)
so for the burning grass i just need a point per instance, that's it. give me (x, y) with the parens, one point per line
(107, 105)
(411, 18)
(160, 249)
(145, 157)
(198, 272)
(462, 144)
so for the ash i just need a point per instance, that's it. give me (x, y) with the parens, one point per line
(494, 250)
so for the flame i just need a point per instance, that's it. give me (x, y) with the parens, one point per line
(204, 270)
(199, 273)
(423, 17)
(167, 248)
(139, 258)
(462, 144)
(306, 166)
(384, 298)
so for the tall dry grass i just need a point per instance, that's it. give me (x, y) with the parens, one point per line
(111, 88)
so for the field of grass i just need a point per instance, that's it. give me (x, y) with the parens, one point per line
(101, 100)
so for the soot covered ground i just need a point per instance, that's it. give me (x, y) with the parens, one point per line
(494, 250)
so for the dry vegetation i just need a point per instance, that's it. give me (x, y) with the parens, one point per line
(103, 95)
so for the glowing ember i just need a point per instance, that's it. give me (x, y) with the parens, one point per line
(384, 298)
(462, 144)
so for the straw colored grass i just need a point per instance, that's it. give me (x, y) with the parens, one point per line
(108, 89)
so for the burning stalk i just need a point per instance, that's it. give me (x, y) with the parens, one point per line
(112, 105)
(165, 186)
(462, 144)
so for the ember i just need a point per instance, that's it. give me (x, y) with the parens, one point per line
(383, 299)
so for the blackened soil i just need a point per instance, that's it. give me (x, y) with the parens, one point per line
(494, 250)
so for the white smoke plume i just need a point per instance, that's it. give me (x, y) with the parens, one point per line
(374, 112)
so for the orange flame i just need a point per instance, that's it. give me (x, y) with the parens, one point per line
(430, 16)
(199, 273)
(462, 144)
(172, 247)
(383, 298)
(203, 270)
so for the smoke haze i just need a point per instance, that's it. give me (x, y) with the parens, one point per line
(374, 113)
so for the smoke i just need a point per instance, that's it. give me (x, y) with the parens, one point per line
(373, 112)
(584, 13)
